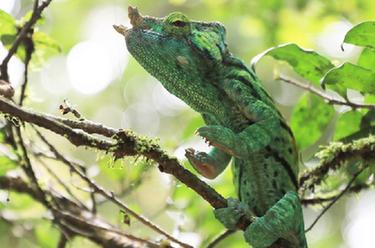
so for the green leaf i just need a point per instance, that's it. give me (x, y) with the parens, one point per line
(7, 24)
(370, 99)
(6, 164)
(348, 123)
(350, 76)
(45, 46)
(27, 17)
(43, 41)
(362, 34)
(7, 155)
(46, 235)
(367, 59)
(361, 133)
(309, 64)
(368, 119)
(310, 119)
(8, 39)
(355, 125)
(24, 205)
(8, 29)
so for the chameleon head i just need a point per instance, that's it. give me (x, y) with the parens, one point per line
(175, 50)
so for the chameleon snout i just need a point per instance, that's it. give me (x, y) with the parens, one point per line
(121, 29)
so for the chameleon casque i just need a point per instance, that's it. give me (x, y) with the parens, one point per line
(192, 61)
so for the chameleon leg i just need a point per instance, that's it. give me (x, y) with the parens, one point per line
(209, 165)
(243, 144)
(230, 215)
(283, 220)
(265, 124)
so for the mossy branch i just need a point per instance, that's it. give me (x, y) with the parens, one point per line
(336, 155)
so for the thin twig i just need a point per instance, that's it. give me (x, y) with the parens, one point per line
(126, 191)
(81, 167)
(68, 215)
(28, 55)
(65, 187)
(28, 169)
(335, 199)
(63, 240)
(219, 238)
(29, 50)
(93, 201)
(330, 99)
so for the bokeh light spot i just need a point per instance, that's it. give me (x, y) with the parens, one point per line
(359, 233)
(89, 67)
(7, 5)
(15, 67)
(165, 102)
(142, 118)
(54, 76)
(331, 39)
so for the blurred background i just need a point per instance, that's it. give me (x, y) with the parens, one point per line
(97, 75)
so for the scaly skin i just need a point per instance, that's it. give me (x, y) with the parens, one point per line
(192, 61)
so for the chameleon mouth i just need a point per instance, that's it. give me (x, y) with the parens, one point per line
(136, 20)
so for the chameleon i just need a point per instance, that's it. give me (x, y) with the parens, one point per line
(242, 124)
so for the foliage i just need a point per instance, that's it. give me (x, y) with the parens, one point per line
(9, 29)
(314, 117)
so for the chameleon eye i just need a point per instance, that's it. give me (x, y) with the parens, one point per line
(179, 23)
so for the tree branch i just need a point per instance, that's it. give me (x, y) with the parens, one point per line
(330, 99)
(220, 238)
(335, 155)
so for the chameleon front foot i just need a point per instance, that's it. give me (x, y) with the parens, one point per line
(220, 137)
(230, 215)
(209, 164)
(202, 162)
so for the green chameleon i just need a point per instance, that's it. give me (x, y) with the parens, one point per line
(192, 61)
